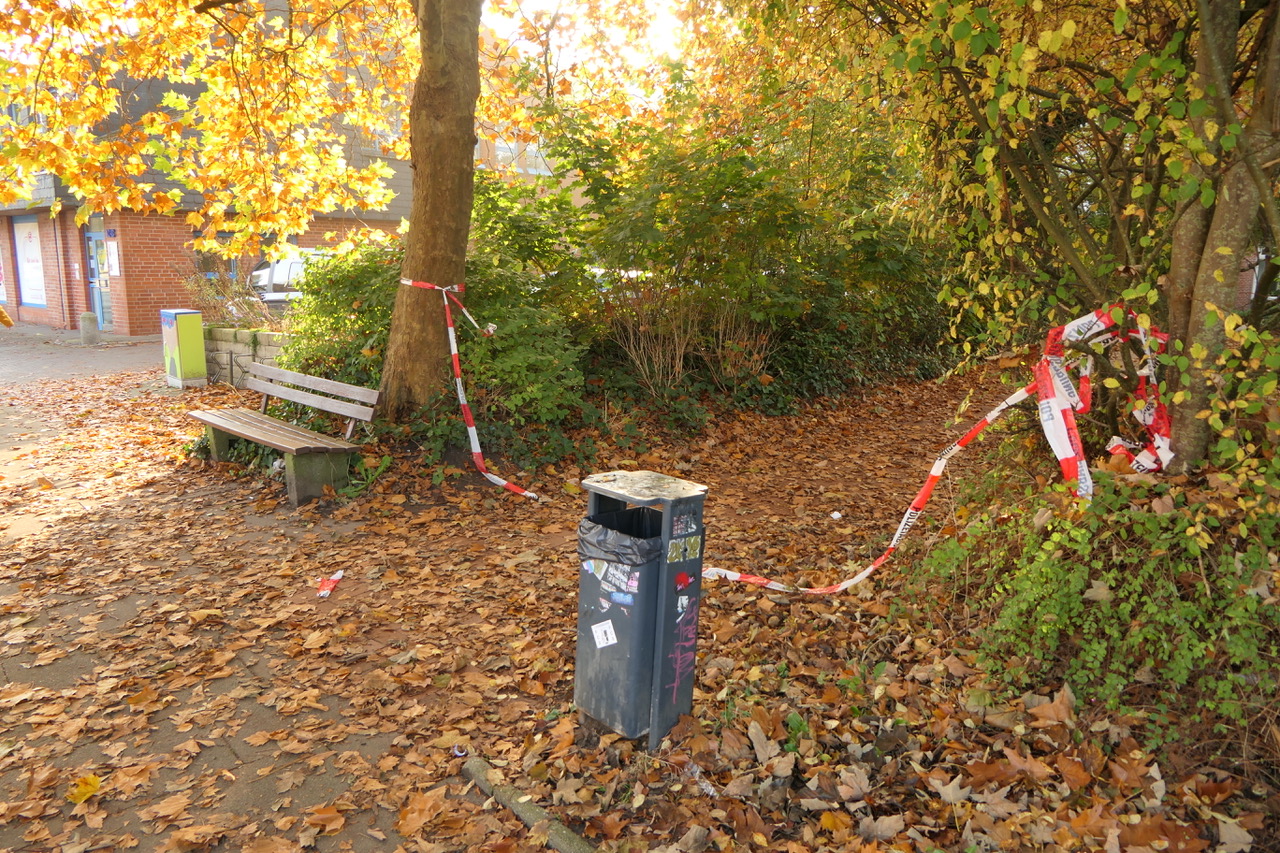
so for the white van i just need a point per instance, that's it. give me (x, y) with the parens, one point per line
(275, 281)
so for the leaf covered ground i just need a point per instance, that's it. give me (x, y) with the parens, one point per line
(172, 681)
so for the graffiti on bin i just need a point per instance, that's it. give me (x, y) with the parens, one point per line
(684, 652)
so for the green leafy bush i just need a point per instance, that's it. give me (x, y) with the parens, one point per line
(529, 372)
(1128, 597)
(1157, 595)
(339, 327)
(746, 270)
(525, 382)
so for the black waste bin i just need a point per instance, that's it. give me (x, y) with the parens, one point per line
(640, 548)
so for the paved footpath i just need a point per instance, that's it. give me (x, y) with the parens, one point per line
(163, 684)
(29, 353)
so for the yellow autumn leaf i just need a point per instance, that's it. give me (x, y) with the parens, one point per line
(316, 639)
(84, 788)
(198, 616)
(328, 818)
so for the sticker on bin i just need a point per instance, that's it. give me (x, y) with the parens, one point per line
(617, 577)
(683, 525)
(604, 634)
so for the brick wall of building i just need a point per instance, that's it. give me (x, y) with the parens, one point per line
(1247, 283)
(65, 280)
(74, 283)
(339, 228)
(8, 270)
(155, 262)
(18, 302)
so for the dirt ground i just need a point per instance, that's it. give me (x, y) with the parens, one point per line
(173, 682)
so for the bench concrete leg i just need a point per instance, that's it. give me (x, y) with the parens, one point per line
(219, 443)
(308, 473)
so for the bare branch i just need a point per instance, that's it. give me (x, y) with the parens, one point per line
(208, 5)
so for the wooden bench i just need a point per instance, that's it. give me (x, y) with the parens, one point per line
(311, 460)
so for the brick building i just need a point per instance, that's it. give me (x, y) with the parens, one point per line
(125, 267)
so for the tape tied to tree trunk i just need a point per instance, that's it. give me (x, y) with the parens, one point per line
(477, 456)
(1058, 400)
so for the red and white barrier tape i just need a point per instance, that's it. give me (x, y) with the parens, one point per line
(477, 456)
(1058, 401)
(908, 519)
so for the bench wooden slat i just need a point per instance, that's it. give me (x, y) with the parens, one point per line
(315, 383)
(263, 429)
(315, 401)
(256, 423)
(313, 463)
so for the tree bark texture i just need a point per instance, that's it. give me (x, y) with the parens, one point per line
(443, 139)
(1212, 243)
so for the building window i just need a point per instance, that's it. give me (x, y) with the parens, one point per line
(29, 256)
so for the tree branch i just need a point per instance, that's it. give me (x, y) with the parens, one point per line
(1051, 224)
(209, 5)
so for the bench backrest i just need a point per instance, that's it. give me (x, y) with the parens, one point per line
(351, 401)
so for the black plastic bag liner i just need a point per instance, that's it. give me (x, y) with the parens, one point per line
(631, 536)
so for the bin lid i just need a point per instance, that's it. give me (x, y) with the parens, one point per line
(644, 488)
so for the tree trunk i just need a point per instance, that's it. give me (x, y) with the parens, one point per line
(443, 140)
(1189, 234)
(1224, 249)
(1226, 229)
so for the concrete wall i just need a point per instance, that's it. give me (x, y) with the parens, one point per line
(228, 352)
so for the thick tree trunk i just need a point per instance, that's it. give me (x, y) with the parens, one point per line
(443, 138)
(1189, 234)
(1215, 284)
(1226, 230)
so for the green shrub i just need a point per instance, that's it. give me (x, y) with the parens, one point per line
(529, 371)
(339, 327)
(525, 247)
(525, 382)
(1152, 596)
(1133, 593)
(754, 288)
